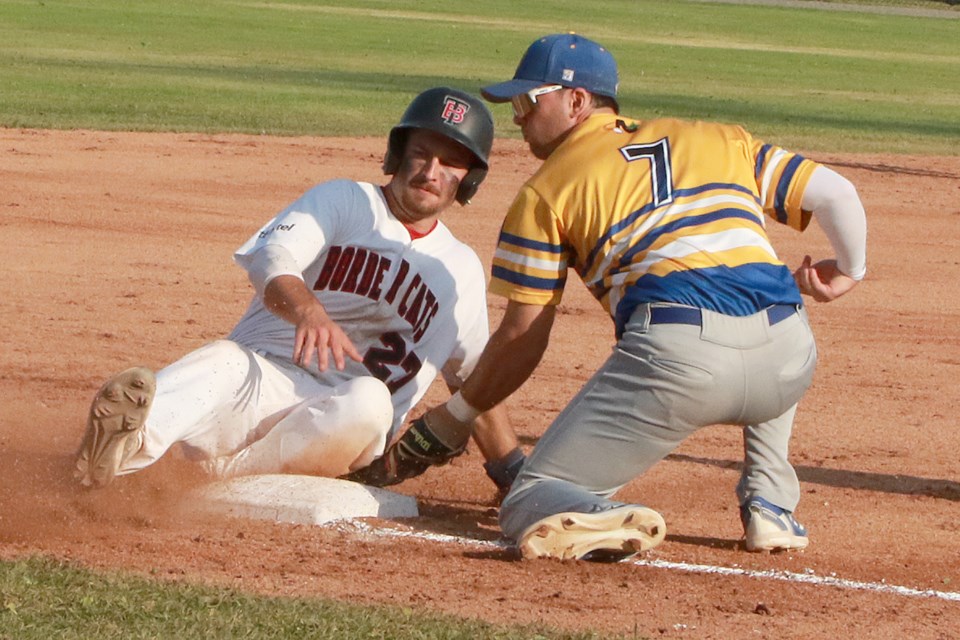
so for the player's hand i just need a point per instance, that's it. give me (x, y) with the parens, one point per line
(318, 333)
(822, 281)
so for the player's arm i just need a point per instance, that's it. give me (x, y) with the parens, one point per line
(834, 202)
(436, 438)
(492, 432)
(498, 443)
(510, 357)
(495, 438)
(289, 298)
(275, 275)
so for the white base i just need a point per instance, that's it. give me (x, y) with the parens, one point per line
(302, 499)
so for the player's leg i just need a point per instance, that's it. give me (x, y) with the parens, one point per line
(559, 505)
(768, 490)
(656, 389)
(210, 401)
(213, 400)
(329, 434)
(767, 472)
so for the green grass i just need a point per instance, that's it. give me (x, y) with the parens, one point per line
(808, 79)
(42, 599)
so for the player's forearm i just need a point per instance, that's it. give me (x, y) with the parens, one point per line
(511, 355)
(493, 434)
(289, 298)
(837, 208)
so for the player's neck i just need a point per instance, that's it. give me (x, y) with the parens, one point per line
(416, 228)
(416, 234)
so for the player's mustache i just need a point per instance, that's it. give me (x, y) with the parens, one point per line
(426, 185)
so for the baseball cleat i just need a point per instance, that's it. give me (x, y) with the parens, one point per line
(767, 527)
(606, 536)
(115, 425)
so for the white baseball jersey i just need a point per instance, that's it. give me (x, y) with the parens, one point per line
(413, 308)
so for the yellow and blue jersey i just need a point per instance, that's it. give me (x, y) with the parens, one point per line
(669, 211)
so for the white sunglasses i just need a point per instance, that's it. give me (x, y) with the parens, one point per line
(525, 102)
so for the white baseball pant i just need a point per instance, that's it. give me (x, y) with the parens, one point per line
(224, 399)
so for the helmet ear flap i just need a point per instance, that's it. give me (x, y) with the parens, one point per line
(395, 145)
(469, 185)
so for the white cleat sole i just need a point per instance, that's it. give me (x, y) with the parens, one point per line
(609, 536)
(115, 425)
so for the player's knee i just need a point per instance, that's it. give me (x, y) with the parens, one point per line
(338, 431)
(368, 403)
(375, 405)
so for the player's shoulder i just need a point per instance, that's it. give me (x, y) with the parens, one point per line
(458, 252)
(446, 240)
(341, 194)
(337, 186)
(676, 126)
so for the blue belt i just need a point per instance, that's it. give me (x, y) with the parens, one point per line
(690, 315)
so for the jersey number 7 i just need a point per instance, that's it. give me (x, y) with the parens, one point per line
(661, 172)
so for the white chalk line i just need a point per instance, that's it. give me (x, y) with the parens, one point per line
(809, 577)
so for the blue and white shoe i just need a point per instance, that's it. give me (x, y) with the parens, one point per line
(767, 527)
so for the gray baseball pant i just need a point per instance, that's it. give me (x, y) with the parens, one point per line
(663, 382)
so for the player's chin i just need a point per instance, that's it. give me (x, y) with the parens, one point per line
(539, 151)
(426, 203)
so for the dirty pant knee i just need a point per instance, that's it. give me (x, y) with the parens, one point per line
(339, 433)
(328, 435)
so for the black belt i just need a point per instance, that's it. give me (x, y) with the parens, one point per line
(690, 315)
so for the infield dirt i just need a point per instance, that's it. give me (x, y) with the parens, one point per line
(118, 252)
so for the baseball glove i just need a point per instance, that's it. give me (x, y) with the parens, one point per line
(417, 450)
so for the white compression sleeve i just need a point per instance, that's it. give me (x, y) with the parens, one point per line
(835, 204)
(267, 263)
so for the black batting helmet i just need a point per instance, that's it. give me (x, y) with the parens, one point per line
(456, 115)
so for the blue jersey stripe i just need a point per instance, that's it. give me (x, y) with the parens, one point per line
(680, 193)
(655, 234)
(761, 159)
(545, 284)
(783, 186)
(526, 243)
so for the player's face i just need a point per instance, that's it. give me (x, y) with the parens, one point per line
(429, 175)
(547, 122)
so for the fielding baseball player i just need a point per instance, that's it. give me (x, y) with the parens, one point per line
(664, 222)
(363, 297)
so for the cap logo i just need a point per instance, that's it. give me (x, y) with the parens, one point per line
(454, 110)
(567, 75)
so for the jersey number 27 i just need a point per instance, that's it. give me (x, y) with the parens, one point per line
(394, 352)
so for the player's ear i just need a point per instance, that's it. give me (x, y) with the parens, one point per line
(581, 102)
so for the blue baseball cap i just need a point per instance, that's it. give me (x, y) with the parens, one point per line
(566, 59)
